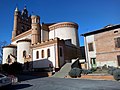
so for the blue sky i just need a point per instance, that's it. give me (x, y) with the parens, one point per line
(90, 15)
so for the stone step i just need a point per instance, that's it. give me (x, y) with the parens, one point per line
(63, 71)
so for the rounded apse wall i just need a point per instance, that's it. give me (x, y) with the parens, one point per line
(7, 50)
(65, 31)
(23, 46)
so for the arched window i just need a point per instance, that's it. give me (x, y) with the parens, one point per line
(48, 52)
(37, 54)
(42, 53)
(24, 53)
(9, 59)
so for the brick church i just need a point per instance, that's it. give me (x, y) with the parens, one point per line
(42, 45)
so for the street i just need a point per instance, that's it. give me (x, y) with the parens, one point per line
(65, 84)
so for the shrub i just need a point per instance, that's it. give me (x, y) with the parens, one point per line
(75, 72)
(111, 70)
(15, 68)
(93, 69)
(105, 67)
(85, 72)
(116, 74)
(5, 68)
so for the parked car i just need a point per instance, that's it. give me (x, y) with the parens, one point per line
(5, 80)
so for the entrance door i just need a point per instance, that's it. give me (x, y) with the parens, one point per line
(93, 62)
(118, 59)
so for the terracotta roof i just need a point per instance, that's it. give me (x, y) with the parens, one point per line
(107, 28)
(10, 46)
(45, 26)
(63, 24)
(24, 40)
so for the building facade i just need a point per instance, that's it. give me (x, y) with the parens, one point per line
(102, 47)
(41, 45)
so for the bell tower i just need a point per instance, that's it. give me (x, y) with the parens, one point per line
(22, 22)
(16, 19)
(36, 33)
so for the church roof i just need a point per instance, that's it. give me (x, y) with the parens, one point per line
(45, 26)
(10, 46)
(24, 40)
(63, 24)
(106, 28)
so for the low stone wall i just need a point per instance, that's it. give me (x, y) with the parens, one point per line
(96, 77)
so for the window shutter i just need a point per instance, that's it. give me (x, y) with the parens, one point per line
(116, 43)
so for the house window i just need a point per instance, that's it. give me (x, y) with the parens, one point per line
(118, 59)
(42, 53)
(60, 52)
(48, 52)
(115, 31)
(24, 53)
(37, 54)
(90, 46)
(117, 42)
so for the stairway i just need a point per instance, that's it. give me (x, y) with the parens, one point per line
(63, 71)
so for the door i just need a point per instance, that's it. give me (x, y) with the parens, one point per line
(118, 59)
(93, 62)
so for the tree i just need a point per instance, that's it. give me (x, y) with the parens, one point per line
(15, 68)
(2, 44)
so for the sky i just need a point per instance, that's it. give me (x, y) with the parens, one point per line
(90, 15)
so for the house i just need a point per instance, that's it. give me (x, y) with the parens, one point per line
(41, 45)
(102, 47)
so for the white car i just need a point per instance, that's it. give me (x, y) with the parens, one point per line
(5, 80)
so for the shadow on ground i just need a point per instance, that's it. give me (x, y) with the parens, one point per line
(30, 75)
(21, 86)
(15, 87)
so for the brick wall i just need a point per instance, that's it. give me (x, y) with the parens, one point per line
(105, 47)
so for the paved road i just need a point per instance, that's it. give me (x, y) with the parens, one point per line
(66, 84)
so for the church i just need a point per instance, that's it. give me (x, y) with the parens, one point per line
(41, 45)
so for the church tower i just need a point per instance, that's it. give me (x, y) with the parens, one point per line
(22, 22)
(36, 29)
(17, 15)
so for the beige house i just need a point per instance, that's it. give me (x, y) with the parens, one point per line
(41, 45)
(102, 46)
